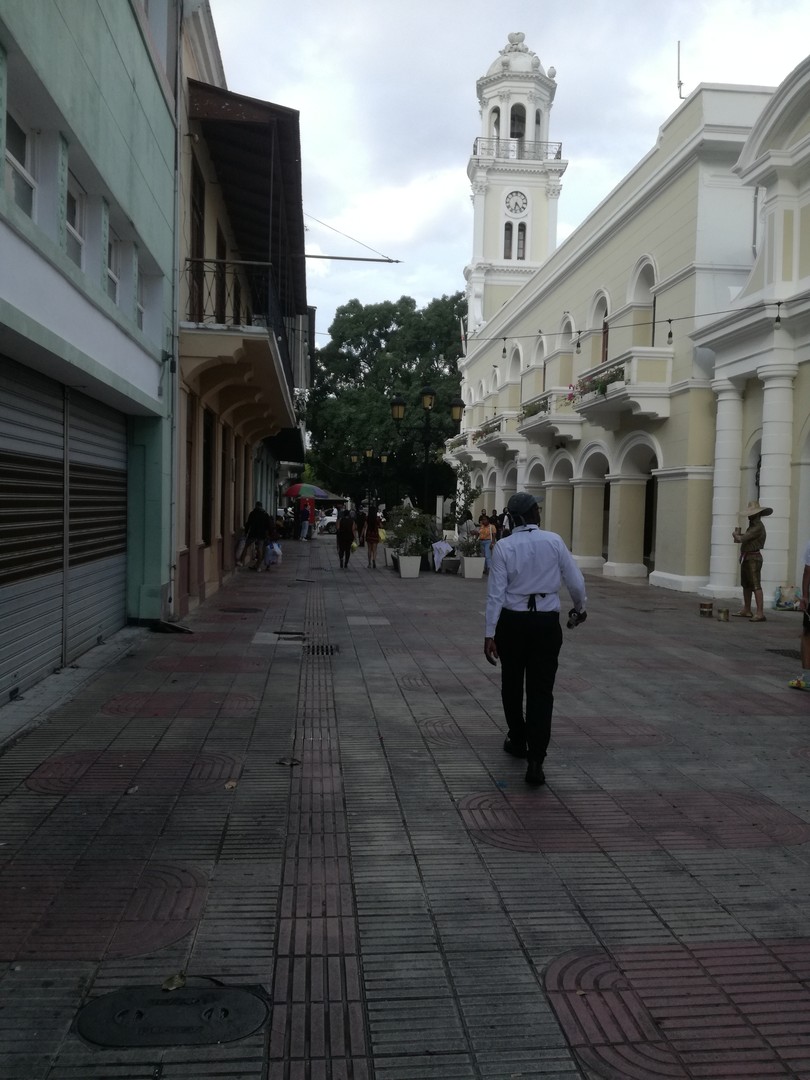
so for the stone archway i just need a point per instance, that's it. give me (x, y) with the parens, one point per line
(633, 511)
(591, 516)
(559, 497)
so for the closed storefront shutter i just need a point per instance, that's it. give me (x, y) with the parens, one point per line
(32, 447)
(97, 490)
(62, 525)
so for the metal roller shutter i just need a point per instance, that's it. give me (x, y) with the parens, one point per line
(31, 513)
(97, 490)
(60, 589)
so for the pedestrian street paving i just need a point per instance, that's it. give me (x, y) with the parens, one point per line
(288, 845)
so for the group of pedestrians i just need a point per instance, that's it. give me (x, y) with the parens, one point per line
(355, 530)
(491, 528)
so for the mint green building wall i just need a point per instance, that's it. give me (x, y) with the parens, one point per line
(95, 63)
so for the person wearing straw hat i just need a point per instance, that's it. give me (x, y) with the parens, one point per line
(751, 542)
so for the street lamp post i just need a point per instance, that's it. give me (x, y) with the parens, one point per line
(427, 396)
(427, 399)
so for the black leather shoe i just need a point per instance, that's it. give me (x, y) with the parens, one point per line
(534, 774)
(514, 749)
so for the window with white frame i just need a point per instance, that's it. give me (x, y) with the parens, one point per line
(20, 168)
(113, 265)
(76, 213)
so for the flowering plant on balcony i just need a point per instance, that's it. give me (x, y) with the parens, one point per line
(535, 407)
(595, 384)
(486, 429)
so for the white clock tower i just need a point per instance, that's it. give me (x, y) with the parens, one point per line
(515, 174)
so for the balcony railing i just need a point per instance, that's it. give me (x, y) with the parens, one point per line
(234, 293)
(517, 150)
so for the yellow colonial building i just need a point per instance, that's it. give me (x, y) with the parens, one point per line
(650, 375)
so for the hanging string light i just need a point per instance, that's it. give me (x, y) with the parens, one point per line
(778, 320)
(669, 334)
(579, 346)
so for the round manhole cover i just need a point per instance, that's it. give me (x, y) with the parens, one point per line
(150, 1016)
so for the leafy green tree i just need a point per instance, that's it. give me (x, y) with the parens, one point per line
(378, 351)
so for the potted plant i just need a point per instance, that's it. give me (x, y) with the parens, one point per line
(409, 536)
(472, 559)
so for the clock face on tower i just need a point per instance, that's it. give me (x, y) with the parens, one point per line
(516, 202)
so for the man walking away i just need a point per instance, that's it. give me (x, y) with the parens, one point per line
(523, 627)
(257, 529)
(802, 682)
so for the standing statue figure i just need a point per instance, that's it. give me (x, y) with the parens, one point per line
(751, 542)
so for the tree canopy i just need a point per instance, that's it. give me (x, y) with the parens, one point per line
(377, 351)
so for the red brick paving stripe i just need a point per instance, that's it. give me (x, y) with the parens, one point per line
(606, 731)
(676, 1011)
(210, 665)
(632, 1063)
(171, 703)
(110, 772)
(115, 909)
(630, 821)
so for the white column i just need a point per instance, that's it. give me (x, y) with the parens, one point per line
(553, 189)
(774, 473)
(521, 463)
(724, 563)
(479, 191)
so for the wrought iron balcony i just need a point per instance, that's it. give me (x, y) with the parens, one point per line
(517, 150)
(231, 293)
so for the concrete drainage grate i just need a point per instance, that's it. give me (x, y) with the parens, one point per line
(322, 650)
(791, 654)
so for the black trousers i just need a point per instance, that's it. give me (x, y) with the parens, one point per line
(529, 644)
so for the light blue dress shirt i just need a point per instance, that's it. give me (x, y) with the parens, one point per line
(531, 560)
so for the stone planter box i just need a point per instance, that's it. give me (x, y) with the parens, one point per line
(407, 565)
(472, 566)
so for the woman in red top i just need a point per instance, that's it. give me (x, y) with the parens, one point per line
(371, 535)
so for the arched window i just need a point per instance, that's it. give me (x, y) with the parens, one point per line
(600, 316)
(521, 240)
(517, 127)
(495, 123)
(507, 240)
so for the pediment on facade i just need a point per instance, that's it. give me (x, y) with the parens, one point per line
(782, 129)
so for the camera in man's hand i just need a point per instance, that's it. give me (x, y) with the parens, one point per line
(575, 618)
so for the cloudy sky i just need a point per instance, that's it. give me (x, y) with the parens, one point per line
(388, 105)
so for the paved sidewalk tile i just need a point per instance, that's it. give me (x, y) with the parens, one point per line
(307, 795)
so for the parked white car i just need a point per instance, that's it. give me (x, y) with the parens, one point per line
(328, 524)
